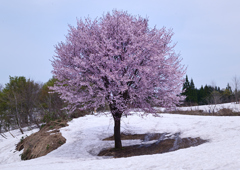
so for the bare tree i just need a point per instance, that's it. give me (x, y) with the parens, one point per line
(236, 85)
(15, 103)
(216, 97)
(30, 98)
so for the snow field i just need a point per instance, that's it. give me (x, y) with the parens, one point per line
(84, 140)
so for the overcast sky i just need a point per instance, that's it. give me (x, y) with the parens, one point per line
(207, 33)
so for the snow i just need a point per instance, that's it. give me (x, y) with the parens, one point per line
(84, 140)
(213, 108)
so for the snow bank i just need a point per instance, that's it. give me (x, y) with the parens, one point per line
(213, 108)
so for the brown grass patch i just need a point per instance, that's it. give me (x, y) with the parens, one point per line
(47, 139)
(227, 112)
(221, 112)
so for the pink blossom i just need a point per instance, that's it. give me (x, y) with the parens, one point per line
(118, 59)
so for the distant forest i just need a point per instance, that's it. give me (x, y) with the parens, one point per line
(23, 102)
(210, 94)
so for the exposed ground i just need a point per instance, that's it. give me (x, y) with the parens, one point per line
(154, 144)
(47, 139)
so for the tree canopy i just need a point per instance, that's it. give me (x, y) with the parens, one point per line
(118, 59)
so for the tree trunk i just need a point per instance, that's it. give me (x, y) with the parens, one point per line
(117, 133)
(17, 115)
(117, 122)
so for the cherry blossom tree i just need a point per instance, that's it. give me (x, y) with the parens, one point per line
(118, 59)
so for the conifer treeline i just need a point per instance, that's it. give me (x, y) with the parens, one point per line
(206, 94)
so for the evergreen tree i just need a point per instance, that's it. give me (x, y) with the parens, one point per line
(193, 93)
(201, 95)
(185, 86)
(190, 92)
(186, 89)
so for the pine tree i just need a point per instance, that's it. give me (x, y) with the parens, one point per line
(193, 93)
(201, 96)
(190, 91)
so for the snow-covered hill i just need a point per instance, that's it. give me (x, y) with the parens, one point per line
(84, 140)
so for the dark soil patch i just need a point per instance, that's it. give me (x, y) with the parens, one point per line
(47, 139)
(165, 143)
(221, 112)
